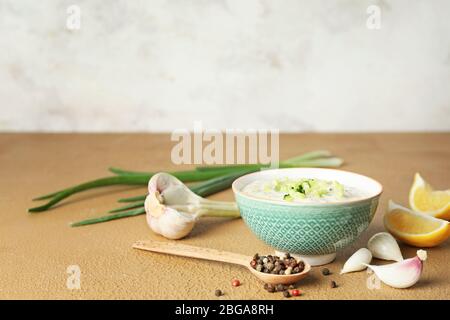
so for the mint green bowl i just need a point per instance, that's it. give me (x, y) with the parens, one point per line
(312, 231)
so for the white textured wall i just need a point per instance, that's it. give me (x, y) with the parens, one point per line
(159, 65)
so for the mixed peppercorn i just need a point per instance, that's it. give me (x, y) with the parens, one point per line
(279, 266)
(235, 283)
(327, 272)
(282, 288)
(276, 265)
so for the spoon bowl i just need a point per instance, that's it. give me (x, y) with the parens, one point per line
(221, 256)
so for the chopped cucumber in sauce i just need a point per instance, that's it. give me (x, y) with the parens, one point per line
(307, 188)
(303, 190)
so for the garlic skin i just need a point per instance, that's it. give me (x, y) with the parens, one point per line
(172, 208)
(171, 223)
(358, 261)
(384, 246)
(403, 274)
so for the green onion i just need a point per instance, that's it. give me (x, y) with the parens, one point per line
(102, 182)
(129, 179)
(319, 158)
(128, 207)
(121, 172)
(231, 168)
(110, 217)
(318, 162)
(217, 184)
(189, 175)
(132, 199)
(203, 189)
(109, 181)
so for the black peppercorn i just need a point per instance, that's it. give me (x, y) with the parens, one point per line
(218, 293)
(276, 265)
(325, 271)
(333, 284)
(286, 294)
(301, 266)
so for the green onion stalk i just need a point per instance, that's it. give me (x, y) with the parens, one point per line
(202, 189)
(210, 180)
(122, 179)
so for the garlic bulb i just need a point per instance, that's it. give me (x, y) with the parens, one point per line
(171, 224)
(358, 261)
(384, 246)
(172, 208)
(403, 274)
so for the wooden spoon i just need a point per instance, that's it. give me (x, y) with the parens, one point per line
(217, 255)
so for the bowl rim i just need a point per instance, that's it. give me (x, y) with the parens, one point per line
(307, 204)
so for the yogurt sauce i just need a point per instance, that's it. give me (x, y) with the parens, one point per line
(302, 190)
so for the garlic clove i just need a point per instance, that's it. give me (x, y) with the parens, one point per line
(384, 246)
(172, 190)
(172, 224)
(153, 204)
(403, 274)
(358, 261)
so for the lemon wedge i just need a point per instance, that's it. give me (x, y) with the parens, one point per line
(415, 228)
(423, 199)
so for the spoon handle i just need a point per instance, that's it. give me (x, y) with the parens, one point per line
(192, 252)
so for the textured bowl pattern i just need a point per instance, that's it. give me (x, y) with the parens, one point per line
(307, 229)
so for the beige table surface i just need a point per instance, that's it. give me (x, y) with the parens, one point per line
(35, 250)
